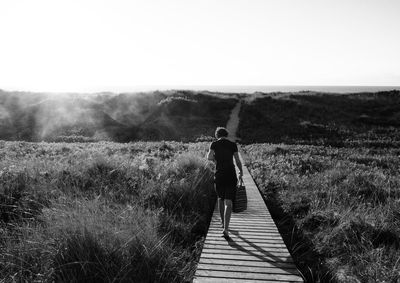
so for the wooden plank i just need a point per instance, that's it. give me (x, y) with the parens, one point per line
(246, 223)
(258, 242)
(234, 262)
(236, 234)
(248, 257)
(230, 280)
(255, 252)
(248, 248)
(241, 268)
(240, 227)
(248, 237)
(243, 244)
(245, 233)
(248, 275)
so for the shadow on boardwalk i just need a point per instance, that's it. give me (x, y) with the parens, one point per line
(267, 256)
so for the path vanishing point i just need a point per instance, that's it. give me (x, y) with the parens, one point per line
(256, 251)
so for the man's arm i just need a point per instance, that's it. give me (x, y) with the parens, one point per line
(238, 163)
(211, 155)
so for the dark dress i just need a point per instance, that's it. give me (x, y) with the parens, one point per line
(225, 179)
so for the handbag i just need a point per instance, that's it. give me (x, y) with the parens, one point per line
(240, 200)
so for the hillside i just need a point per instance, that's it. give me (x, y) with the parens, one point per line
(322, 119)
(170, 115)
(294, 118)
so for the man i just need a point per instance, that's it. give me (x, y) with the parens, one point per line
(222, 151)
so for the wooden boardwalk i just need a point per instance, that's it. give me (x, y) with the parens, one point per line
(256, 251)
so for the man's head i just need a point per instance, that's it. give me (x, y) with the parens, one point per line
(221, 132)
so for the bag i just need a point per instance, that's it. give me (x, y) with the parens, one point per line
(240, 200)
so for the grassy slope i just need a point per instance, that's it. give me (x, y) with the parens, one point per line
(187, 116)
(323, 119)
(98, 212)
(171, 115)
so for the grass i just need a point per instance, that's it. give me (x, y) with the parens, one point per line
(102, 212)
(159, 115)
(337, 208)
(137, 212)
(363, 119)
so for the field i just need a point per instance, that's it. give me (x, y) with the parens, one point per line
(362, 119)
(154, 116)
(84, 211)
(338, 208)
(102, 212)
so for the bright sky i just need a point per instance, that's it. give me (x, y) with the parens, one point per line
(95, 45)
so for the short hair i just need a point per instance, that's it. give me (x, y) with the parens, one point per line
(221, 132)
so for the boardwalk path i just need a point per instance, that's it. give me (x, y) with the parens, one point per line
(256, 251)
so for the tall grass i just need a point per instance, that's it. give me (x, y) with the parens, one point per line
(352, 120)
(344, 206)
(102, 212)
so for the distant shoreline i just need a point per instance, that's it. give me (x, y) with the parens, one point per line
(325, 89)
(221, 89)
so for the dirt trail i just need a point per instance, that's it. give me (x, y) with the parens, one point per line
(233, 122)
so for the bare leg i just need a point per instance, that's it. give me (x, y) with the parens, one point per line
(227, 215)
(221, 210)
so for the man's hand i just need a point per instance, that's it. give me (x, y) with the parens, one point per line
(240, 174)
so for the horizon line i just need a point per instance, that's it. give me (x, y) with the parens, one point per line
(199, 88)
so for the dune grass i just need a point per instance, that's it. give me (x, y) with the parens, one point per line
(102, 212)
(338, 208)
(351, 120)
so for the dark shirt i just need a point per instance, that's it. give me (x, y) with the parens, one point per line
(225, 173)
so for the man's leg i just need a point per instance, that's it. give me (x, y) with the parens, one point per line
(221, 208)
(227, 215)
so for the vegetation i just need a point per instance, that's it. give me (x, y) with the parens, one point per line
(335, 191)
(187, 116)
(85, 211)
(102, 212)
(338, 208)
(169, 115)
(363, 119)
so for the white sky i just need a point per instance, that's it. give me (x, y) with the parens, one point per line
(94, 45)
